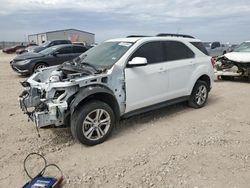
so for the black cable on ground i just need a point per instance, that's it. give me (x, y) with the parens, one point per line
(43, 169)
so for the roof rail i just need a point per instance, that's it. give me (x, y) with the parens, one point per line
(137, 36)
(174, 35)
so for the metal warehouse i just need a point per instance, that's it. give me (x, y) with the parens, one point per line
(74, 35)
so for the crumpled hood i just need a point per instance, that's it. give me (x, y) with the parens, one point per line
(243, 57)
(29, 55)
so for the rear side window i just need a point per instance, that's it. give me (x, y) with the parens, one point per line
(200, 46)
(152, 51)
(176, 51)
(79, 49)
(65, 50)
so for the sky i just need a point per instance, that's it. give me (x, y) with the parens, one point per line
(208, 20)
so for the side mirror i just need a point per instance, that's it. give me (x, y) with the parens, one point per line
(138, 61)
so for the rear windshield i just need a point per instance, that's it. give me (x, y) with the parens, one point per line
(200, 46)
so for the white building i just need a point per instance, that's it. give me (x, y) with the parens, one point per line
(74, 35)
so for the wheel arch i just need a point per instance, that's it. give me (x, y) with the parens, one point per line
(34, 64)
(97, 92)
(206, 79)
(203, 72)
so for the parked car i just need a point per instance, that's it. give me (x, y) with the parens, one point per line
(117, 79)
(232, 47)
(236, 63)
(25, 49)
(13, 49)
(216, 48)
(83, 44)
(49, 44)
(29, 62)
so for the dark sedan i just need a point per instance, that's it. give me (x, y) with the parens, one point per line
(27, 63)
(49, 44)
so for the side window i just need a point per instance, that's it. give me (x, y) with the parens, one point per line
(57, 42)
(79, 49)
(176, 51)
(152, 51)
(200, 46)
(65, 50)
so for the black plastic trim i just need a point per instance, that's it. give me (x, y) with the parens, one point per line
(155, 106)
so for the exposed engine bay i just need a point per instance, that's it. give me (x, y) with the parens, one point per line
(48, 92)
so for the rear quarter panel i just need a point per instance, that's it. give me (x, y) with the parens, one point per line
(203, 66)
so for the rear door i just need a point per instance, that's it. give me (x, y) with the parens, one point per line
(146, 85)
(180, 65)
(78, 50)
(63, 54)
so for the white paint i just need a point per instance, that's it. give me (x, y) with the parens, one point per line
(243, 57)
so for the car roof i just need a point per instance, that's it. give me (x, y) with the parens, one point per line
(61, 45)
(135, 39)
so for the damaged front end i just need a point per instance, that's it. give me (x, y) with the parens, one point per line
(232, 65)
(47, 94)
(46, 101)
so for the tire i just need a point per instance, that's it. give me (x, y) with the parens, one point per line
(199, 95)
(39, 66)
(86, 126)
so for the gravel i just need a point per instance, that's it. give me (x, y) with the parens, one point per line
(172, 147)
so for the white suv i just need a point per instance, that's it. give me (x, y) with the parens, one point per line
(117, 79)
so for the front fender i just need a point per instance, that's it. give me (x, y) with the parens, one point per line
(86, 92)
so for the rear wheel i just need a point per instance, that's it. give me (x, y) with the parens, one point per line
(92, 123)
(199, 95)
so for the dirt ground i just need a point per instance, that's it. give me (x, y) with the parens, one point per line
(171, 147)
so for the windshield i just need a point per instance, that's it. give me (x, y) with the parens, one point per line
(106, 54)
(244, 47)
(45, 44)
(48, 51)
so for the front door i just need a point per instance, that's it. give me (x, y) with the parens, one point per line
(146, 85)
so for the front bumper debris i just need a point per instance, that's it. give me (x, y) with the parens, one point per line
(44, 113)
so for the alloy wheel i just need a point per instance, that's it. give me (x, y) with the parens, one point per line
(201, 95)
(96, 124)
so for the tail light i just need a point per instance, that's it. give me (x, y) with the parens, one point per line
(213, 61)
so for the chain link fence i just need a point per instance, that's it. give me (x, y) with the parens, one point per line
(5, 44)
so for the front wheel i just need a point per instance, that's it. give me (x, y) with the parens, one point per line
(199, 95)
(39, 66)
(92, 123)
